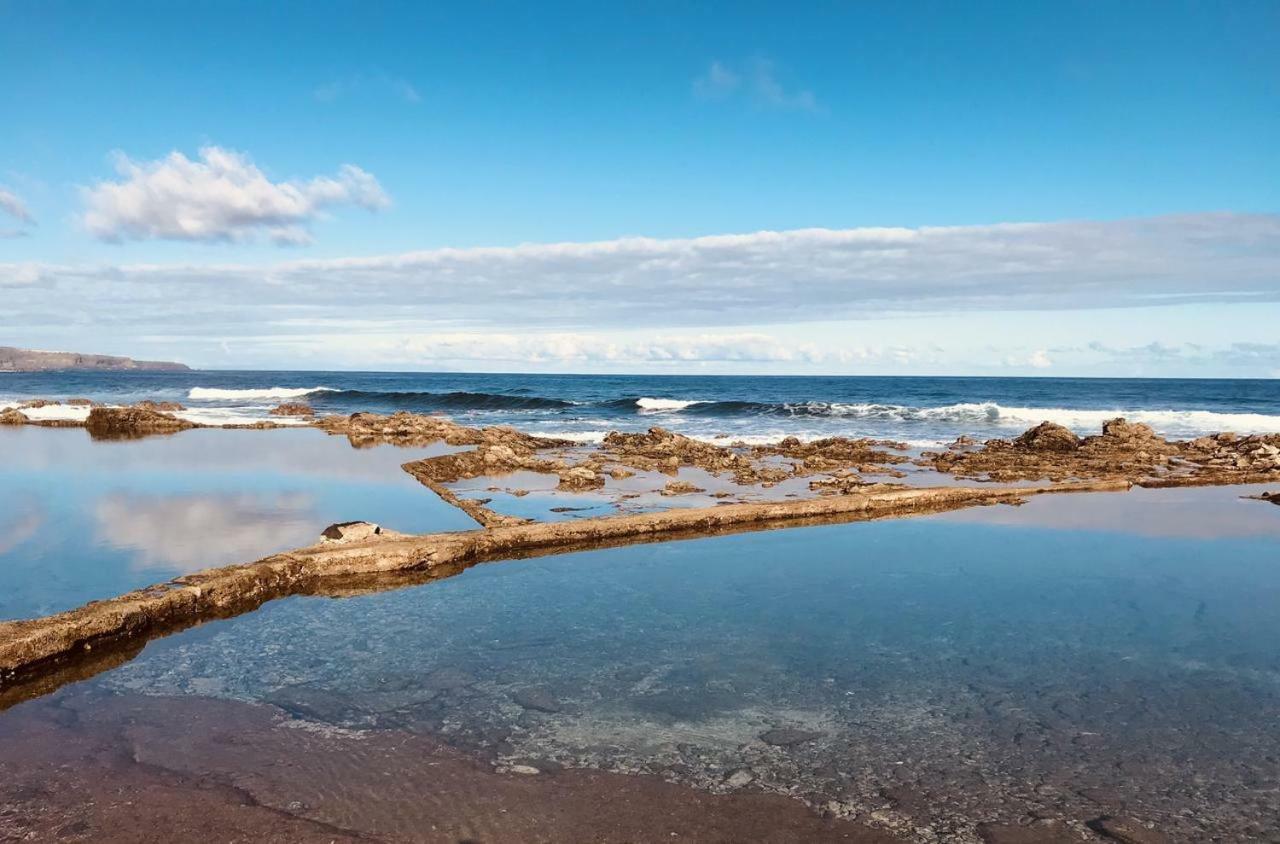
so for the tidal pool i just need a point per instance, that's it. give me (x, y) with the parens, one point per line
(83, 520)
(1076, 657)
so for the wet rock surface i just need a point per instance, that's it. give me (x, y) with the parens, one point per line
(131, 422)
(1123, 450)
(292, 408)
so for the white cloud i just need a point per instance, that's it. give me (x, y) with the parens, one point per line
(12, 205)
(221, 196)
(717, 82)
(761, 86)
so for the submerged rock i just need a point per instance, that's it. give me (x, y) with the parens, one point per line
(537, 699)
(788, 737)
(1127, 830)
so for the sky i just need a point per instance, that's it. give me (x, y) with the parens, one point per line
(1072, 188)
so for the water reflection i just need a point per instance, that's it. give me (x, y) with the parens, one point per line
(933, 671)
(186, 532)
(81, 520)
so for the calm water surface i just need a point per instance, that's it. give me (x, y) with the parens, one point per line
(1073, 657)
(991, 664)
(81, 520)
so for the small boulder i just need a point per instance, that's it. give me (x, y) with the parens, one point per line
(350, 531)
(681, 488)
(292, 408)
(580, 478)
(1126, 830)
(539, 700)
(1049, 436)
(12, 416)
(1124, 431)
(787, 737)
(160, 406)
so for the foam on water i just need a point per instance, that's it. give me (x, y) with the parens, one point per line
(664, 405)
(216, 394)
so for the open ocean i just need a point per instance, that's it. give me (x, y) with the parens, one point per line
(754, 408)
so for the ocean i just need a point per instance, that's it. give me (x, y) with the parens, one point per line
(922, 411)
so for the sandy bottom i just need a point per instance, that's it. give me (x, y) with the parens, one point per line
(89, 767)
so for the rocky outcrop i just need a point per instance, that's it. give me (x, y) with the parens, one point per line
(131, 423)
(1048, 436)
(292, 408)
(160, 406)
(12, 416)
(1124, 449)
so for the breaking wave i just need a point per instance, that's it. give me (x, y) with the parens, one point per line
(218, 394)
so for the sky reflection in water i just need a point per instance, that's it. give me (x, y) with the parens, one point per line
(81, 520)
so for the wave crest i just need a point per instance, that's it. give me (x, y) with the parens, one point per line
(219, 394)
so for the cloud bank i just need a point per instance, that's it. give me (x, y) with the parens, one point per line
(222, 196)
(698, 299)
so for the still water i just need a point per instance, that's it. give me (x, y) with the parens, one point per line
(991, 664)
(82, 520)
(1074, 657)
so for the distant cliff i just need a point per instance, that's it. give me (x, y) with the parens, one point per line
(26, 360)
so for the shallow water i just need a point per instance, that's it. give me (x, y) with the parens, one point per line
(81, 520)
(995, 664)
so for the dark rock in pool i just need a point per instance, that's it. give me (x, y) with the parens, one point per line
(787, 737)
(540, 700)
(312, 703)
(1126, 830)
(1000, 833)
(446, 679)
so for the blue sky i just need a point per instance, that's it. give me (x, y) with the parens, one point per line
(497, 125)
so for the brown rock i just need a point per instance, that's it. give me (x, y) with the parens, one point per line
(12, 416)
(292, 408)
(161, 406)
(1126, 830)
(537, 699)
(681, 488)
(580, 477)
(1001, 833)
(1049, 436)
(131, 422)
(787, 737)
(350, 531)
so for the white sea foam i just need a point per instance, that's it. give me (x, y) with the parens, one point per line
(1168, 421)
(217, 394)
(664, 405)
(51, 412)
(1165, 421)
(222, 416)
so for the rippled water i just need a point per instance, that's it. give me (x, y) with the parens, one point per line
(81, 520)
(1068, 658)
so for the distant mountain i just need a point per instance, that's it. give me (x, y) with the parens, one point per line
(28, 360)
